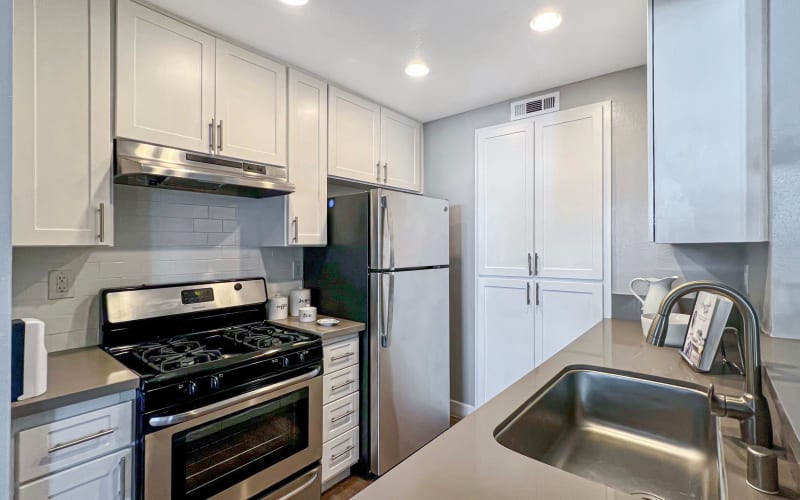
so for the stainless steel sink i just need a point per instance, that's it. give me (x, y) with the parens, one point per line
(648, 437)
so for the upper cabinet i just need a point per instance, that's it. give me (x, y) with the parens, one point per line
(373, 145)
(708, 148)
(62, 150)
(180, 87)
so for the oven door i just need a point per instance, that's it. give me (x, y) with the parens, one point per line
(239, 447)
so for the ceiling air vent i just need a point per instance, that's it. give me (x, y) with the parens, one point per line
(538, 105)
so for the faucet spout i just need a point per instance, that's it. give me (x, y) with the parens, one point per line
(750, 408)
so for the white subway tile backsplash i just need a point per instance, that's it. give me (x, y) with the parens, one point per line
(160, 237)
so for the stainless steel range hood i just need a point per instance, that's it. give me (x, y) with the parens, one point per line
(146, 165)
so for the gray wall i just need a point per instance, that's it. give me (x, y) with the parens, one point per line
(450, 173)
(5, 241)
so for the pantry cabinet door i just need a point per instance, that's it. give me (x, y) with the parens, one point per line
(62, 148)
(401, 151)
(165, 80)
(353, 137)
(250, 106)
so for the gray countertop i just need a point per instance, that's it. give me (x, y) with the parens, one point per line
(345, 327)
(466, 462)
(78, 375)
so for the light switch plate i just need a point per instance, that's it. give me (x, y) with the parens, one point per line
(60, 284)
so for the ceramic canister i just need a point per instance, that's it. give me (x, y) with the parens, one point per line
(278, 307)
(308, 314)
(297, 299)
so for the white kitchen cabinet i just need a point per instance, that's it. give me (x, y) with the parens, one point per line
(165, 80)
(568, 165)
(565, 310)
(107, 477)
(709, 179)
(401, 151)
(505, 325)
(353, 137)
(250, 106)
(504, 199)
(62, 149)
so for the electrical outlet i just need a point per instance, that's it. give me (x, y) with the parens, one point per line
(297, 269)
(60, 284)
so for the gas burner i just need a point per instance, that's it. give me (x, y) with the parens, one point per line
(261, 336)
(172, 355)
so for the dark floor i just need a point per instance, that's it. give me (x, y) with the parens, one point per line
(352, 485)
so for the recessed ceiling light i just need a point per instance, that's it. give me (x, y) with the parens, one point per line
(546, 21)
(417, 69)
(295, 3)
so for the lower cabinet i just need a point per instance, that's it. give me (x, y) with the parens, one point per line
(522, 322)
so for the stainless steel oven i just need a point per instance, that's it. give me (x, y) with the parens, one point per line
(239, 447)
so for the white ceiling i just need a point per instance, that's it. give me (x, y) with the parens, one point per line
(480, 51)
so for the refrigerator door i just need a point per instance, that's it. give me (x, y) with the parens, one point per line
(408, 230)
(409, 366)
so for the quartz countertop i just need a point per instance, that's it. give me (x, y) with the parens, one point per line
(78, 375)
(465, 462)
(345, 327)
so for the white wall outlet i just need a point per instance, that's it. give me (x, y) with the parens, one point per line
(60, 284)
(297, 269)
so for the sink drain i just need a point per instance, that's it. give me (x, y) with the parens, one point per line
(646, 496)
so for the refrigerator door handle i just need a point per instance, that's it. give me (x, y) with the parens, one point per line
(386, 326)
(387, 232)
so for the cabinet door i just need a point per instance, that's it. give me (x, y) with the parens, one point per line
(62, 150)
(250, 106)
(569, 193)
(308, 159)
(565, 310)
(504, 178)
(165, 80)
(107, 477)
(353, 137)
(401, 156)
(505, 333)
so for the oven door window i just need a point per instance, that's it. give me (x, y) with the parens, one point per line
(211, 457)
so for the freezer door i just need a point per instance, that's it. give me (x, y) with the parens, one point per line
(409, 363)
(408, 230)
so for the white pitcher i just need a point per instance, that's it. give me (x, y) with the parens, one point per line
(657, 290)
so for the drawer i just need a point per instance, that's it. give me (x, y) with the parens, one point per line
(340, 355)
(339, 384)
(55, 446)
(339, 454)
(339, 416)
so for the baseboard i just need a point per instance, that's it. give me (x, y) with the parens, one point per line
(459, 409)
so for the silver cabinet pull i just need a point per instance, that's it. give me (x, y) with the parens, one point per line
(530, 265)
(212, 145)
(341, 417)
(219, 136)
(342, 356)
(378, 170)
(528, 292)
(342, 386)
(536, 263)
(295, 223)
(385, 172)
(82, 440)
(343, 453)
(101, 233)
(537, 294)
(122, 478)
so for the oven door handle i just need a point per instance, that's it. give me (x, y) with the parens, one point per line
(178, 418)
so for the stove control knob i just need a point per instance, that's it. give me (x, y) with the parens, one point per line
(302, 356)
(285, 362)
(214, 383)
(191, 388)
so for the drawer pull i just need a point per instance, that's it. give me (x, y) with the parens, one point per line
(78, 441)
(342, 386)
(342, 356)
(340, 417)
(345, 452)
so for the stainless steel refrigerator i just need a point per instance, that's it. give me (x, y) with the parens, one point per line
(387, 264)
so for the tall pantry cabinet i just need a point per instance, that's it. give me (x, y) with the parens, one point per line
(542, 239)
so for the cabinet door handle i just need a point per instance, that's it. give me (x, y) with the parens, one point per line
(122, 478)
(341, 417)
(342, 386)
(219, 136)
(212, 145)
(528, 292)
(378, 170)
(101, 233)
(536, 263)
(343, 453)
(530, 265)
(385, 172)
(296, 223)
(537, 294)
(84, 439)
(342, 356)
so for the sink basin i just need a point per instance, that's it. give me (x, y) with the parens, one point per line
(649, 437)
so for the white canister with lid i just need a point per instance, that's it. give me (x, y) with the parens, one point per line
(308, 314)
(278, 307)
(297, 299)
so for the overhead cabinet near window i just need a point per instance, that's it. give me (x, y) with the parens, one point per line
(371, 144)
(180, 87)
(62, 149)
(709, 176)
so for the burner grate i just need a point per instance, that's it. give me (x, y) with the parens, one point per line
(261, 336)
(176, 354)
